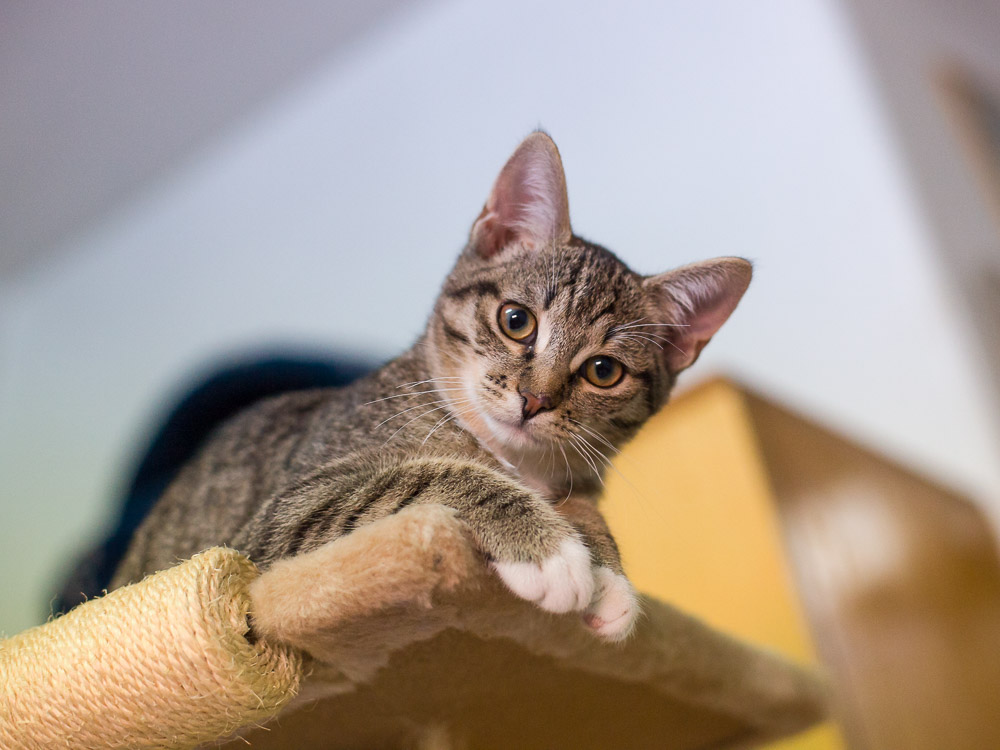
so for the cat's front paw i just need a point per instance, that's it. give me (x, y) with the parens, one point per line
(613, 612)
(563, 582)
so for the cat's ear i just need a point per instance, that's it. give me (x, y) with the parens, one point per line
(697, 299)
(528, 204)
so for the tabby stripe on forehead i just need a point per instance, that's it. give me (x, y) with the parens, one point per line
(481, 288)
(550, 295)
(573, 274)
(587, 268)
(453, 334)
(603, 311)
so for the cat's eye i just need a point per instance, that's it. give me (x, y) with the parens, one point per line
(602, 371)
(517, 322)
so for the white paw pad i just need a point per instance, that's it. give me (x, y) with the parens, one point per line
(613, 612)
(563, 582)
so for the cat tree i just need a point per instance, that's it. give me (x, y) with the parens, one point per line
(396, 635)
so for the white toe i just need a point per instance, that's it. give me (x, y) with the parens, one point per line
(563, 582)
(615, 607)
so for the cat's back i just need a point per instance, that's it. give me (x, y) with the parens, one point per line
(249, 456)
(260, 452)
(271, 444)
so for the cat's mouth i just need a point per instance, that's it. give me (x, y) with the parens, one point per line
(493, 422)
(517, 432)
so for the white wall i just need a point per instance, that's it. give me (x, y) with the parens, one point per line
(688, 130)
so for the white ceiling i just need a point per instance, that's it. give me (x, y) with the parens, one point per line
(97, 97)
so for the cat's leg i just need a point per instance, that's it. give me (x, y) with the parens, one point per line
(615, 607)
(531, 547)
(534, 550)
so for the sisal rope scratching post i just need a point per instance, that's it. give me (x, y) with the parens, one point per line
(163, 663)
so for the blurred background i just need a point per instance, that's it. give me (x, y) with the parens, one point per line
(183, 183)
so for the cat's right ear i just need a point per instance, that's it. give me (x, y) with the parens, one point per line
(698, 299)
(528, 204)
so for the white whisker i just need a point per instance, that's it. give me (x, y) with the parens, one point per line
(414, 393)
(569, 473)
(651, 325)
(626, 325)
(650, 334)
(579, 445)
(445, 419)
(419, 416)
(596, 434)
(592, 451)
(610, 463)
(418, 406)
(429, 380)
(635, 337)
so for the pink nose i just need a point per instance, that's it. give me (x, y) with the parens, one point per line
(534, 404)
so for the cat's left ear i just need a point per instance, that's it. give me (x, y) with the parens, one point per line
(697, 299)
(528, 204)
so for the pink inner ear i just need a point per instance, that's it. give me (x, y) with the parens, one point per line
(490, 235)
(528, 204)
(700, 298)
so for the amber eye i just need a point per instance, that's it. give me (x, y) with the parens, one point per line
(516, 321)
(602, 371)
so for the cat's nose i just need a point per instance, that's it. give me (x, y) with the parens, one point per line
(532, 404)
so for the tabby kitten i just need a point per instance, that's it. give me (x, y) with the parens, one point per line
(543, 354)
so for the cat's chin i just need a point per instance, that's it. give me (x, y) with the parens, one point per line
(513, 433)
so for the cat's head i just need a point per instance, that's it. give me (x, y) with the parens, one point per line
(552, 340)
